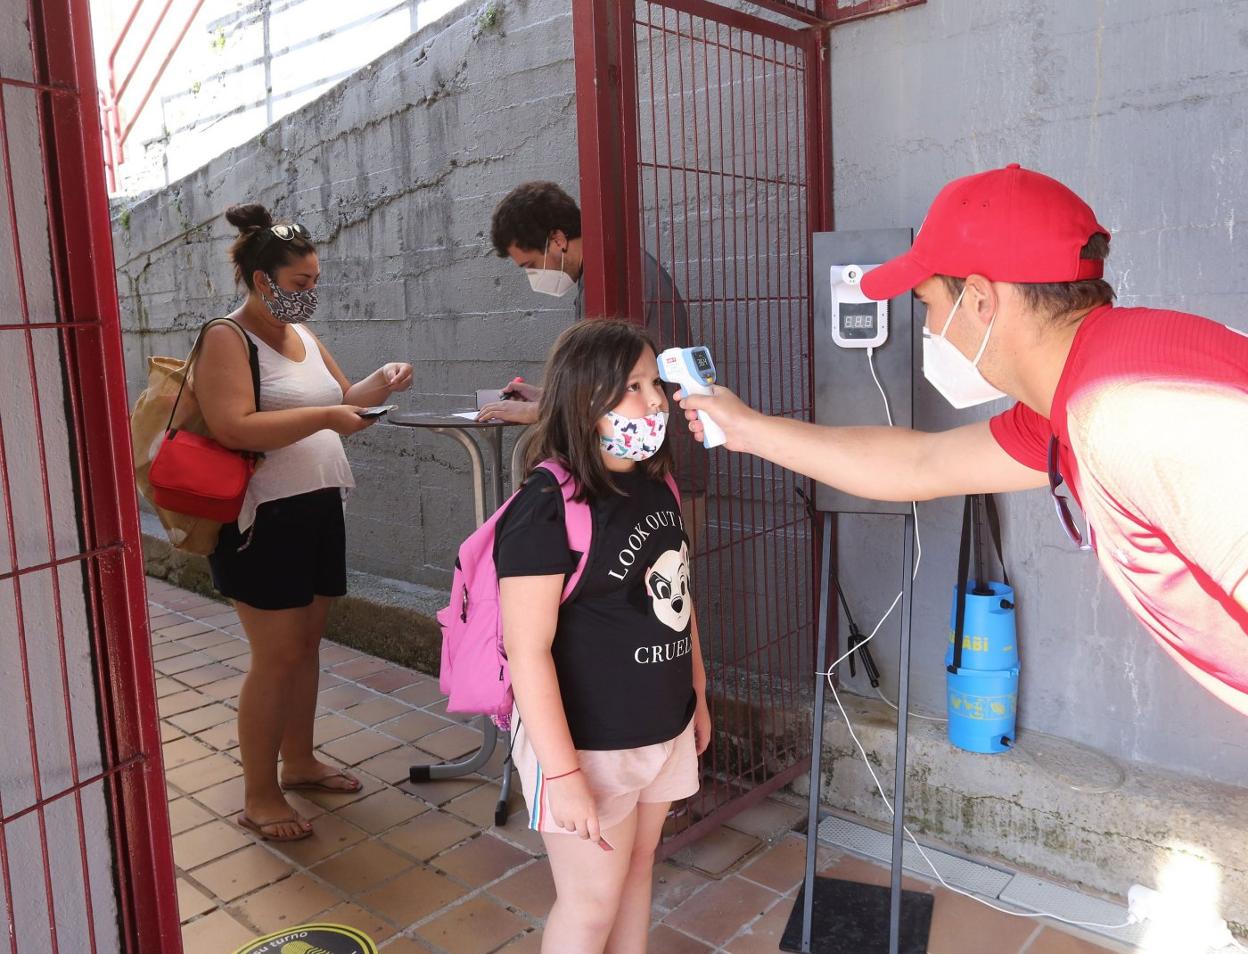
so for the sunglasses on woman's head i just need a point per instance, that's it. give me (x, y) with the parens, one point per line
(1060, 502)
(287, 232)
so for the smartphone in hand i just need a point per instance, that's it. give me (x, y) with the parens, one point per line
(379, 411)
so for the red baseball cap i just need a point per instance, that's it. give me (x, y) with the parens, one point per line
(1009, 225)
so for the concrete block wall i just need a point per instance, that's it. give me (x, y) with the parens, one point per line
(395, 171)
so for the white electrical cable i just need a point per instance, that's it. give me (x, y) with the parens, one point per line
(913, 715)
(918, 540)
(966, 894)
(871, 364)
(863, 752)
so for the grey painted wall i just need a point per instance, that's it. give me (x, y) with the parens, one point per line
(1140, 106)
(396, 171)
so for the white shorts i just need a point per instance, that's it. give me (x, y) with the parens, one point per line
(618, 778)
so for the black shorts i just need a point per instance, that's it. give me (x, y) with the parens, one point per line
(296, 549)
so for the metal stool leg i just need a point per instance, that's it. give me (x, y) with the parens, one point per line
(426, 773)
(429, 773)
(504, 794)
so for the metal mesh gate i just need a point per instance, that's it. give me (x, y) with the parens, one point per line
(85, 859)
(718, 169)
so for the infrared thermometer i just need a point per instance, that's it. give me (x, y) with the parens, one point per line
(694, 371)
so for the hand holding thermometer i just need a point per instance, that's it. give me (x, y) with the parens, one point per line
(693, 370)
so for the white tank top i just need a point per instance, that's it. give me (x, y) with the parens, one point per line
(314, 463)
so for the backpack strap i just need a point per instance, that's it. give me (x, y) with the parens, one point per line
(578, 520)
(671, 485)
(253, 358)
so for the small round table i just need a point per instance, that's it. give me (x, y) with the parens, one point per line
(465, 430)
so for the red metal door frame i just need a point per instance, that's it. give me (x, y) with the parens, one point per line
(607, 97)
(614, 202)
(606, 104)
(87, 326)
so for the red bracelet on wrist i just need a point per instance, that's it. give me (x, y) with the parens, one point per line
(552, 778)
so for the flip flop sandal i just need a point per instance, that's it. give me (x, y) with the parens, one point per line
(258, 830)
(318, 785)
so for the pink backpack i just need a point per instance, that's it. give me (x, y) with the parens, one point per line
(474, 673)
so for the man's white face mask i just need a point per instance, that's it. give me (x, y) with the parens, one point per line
(550, 281)
(952, 373)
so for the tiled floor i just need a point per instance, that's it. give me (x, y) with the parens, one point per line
(421, 867)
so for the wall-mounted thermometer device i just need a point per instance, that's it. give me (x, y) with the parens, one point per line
(693, 370)
(857, 321)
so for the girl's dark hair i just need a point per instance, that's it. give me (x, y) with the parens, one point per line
(587, 376)
(257, 247)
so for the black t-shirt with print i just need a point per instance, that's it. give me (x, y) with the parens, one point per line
(623, 644)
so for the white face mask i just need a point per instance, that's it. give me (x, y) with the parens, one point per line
(550, 281)
(635, 438)
(952, 373)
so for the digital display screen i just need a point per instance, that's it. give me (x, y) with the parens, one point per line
(859, 320)
(702, 360)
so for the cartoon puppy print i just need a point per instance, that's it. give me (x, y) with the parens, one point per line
(667, 582)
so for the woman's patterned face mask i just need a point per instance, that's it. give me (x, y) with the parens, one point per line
(635, 438)
(293, 308)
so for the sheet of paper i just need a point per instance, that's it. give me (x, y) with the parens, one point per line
(467, 415)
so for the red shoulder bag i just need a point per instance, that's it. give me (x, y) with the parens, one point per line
(193, 474)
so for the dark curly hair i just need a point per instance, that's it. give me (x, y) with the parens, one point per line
(529, 213)
(257, 248)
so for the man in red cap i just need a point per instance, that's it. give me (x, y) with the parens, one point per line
(1141, 413)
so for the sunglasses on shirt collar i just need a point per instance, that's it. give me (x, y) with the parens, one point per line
(1061, 503)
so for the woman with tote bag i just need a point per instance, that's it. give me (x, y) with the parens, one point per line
(283, 561)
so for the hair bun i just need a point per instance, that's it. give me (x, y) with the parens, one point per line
(249, 217)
